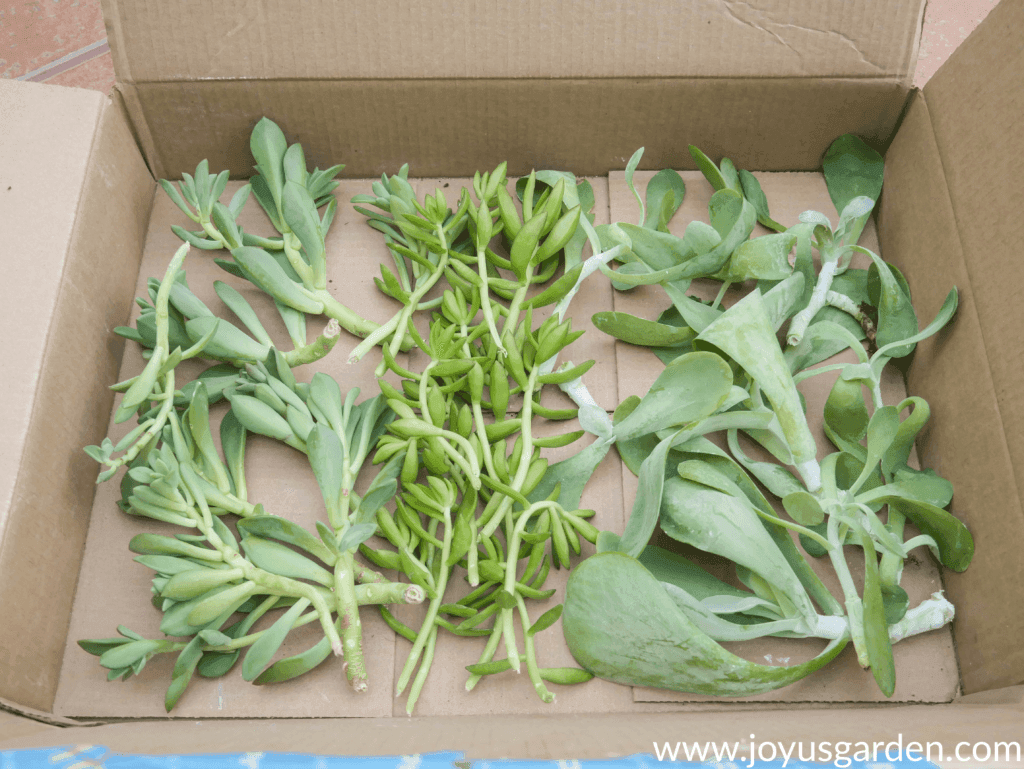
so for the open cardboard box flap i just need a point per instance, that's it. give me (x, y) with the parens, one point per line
(947, 215)
(503, 81)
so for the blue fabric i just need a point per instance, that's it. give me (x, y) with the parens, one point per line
(99, 757)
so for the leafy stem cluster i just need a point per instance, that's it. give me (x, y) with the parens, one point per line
(292, 267)
(208, 575)
(476, 491)
(726, 374)
(457, 442)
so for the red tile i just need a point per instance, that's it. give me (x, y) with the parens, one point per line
(947, 23)
(34, 33)
(96, 74)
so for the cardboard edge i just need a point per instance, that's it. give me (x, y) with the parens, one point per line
(12, 710)
(913, 50)
(135, 116)
(17, 489)
(979, 675)
(55, 494)
(353, 123)
(535, 737)
(115, 36)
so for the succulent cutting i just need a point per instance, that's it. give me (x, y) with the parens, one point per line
(726, 375)
(458, 483)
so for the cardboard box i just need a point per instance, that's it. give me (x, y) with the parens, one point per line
(577, 87)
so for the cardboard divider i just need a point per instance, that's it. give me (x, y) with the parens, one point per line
(364, 123)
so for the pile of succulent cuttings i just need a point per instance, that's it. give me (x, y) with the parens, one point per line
(461, 509)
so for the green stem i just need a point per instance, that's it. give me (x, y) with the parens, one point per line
(486, 656)
(351, 643)
(421, 674)
(395, 327)
(512, 319)
(303, 270)
(428, 625)
(721, 294)
(531, 654)
(524, 462)
(349, 320)
(854, 604)
(485, 300)
(316, 349)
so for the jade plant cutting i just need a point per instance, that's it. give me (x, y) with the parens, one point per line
(728, 376)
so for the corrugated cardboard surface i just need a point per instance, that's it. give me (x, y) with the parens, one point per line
(114, 591)
(497, 80)
(403, 39)
(76, 198)
(447, 127)
(951, 214)
(578, 737)
(987, 638)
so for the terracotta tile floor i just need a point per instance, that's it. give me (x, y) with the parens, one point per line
(64, 41)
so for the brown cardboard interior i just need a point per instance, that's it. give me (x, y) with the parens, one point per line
(495, 40)
(496, 83)
(112, 590)
(919, 231)
(959, 142)
(68, 164)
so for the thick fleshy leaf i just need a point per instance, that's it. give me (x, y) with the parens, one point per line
(846, 414)
(675, 569)
(327, 459)
(301, 216)
(621, 625)
(283, 530)
(726, 525)
(897, 320)
(272, 556)
(752, 192)
(944, 315)
(268, 146)
(262, 651)
(243, 310)
(956, 545)
(665, 193)
(851, 169)
(631, 166)
(744, 333)
(643, 518)
(571, 475)
(227, 342)
(690, 388)
(763, 258)
(296, 665)
(876, 631)
(709, 169)
(639, 331)
(265, 272)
